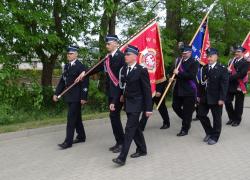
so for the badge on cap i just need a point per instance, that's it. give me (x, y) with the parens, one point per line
(211, 51)
(131, 49)
(72, 49)
(239, 48)
(111, 37)
(186, 49)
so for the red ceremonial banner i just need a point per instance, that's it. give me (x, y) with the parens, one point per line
(246, 45)
(149, 43)
(206, 45)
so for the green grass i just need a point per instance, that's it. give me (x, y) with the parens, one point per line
(32, 124)
(46, 122)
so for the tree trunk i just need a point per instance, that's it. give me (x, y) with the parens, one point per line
(226, 30)
(47, 73)
(173, 20)
(103, 32)
(112, 20)
(108, 25)
(112, 23)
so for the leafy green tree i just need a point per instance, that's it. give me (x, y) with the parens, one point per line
(228, 22)
(43, 29)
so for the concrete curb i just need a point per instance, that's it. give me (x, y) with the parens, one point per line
(45, 130)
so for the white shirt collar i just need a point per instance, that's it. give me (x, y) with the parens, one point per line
(184, 60)
(237, 60)
(132, 66)
(73, 62)
(113, 53)
(212, 65)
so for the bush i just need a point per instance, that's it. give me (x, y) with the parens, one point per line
(97, 100)
(25, 100)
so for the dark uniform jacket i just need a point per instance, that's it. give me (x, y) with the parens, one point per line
(70, 73)
(241, 68)
(214, 84)
(183, 82)
(137, 91)
(116, 62)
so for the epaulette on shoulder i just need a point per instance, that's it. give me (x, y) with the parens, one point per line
(223, 66)
(141, 66)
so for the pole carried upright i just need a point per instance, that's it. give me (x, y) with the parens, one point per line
(191, 42)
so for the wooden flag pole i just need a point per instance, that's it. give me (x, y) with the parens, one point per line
(245, 39)
(102, 60)
(178, 66)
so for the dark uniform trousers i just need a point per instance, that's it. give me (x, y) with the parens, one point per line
(162, 110)
(214, 90)
(216, 110)
(133, 132)
(114, 93)
(74, 121)
(73, 98)
(138, 98)
(160, 87)
(184, 107)
(115, 118)
(235, 113)
(185, 92)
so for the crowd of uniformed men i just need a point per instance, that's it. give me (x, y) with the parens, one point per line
(128, 87)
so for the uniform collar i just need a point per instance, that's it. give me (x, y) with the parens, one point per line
(132, 66)
(237, 60)
(184, 60)
(73, 62)
(113, 53)
(212, 65)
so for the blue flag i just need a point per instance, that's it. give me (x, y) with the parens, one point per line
(198, 42)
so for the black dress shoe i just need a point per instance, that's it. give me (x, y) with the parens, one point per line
(118, 149)
(65, 145)
(138, 154)
(78, 141)
(235, 124)
(165, 126)
(182, 133)
(195, 119)
(113, 147)
(211, 142)
(206, 139)
(229, 122)
(118, 161)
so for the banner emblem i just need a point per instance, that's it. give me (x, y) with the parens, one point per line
(148, 59)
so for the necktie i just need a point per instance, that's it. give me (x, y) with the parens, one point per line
(210, 68)
(129, 69)
(235, 61)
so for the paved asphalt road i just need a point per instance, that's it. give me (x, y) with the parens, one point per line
(34, 155)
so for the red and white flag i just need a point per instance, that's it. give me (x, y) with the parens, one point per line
(246, 45)
(148, 41)
(206, 45)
